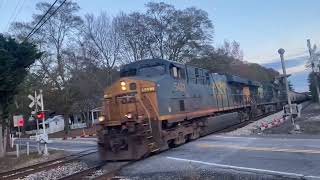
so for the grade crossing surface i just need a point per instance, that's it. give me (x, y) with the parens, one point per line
(279, 157)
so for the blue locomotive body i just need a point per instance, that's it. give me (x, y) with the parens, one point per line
(185, 92)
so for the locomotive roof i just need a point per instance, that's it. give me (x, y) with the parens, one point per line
(148, 62)
(158, 61)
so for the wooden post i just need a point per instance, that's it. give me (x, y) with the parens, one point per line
(38, 146)
(2, 150)
(17, 150)
(28, 150)
(12, 141)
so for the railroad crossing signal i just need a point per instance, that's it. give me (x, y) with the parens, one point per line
(18, 121)
(21, 122)
(37, 100)
(34, 100)
(40, 115)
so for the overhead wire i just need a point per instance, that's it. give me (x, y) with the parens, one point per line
(18, 12)
(12, 15)
(34, 29)
(49, 17)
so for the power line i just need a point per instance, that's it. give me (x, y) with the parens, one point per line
(16, 14)
(34, 28)
(12, 15)
(49, 17)
(15, 17)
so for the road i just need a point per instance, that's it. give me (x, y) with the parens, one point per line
(279, 158)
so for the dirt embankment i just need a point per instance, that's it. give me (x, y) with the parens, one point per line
(10, 161)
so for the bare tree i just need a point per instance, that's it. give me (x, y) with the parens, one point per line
(165, 32)
(134, 36)
(101, 32)
(53, 38)
(236, 52)
(232, 49)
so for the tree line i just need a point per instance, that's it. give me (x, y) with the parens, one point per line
(81, 55)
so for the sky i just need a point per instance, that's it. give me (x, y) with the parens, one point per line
(261, 27)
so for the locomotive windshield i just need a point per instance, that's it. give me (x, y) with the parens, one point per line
(129, 72)
(148, 71)
(152, 70)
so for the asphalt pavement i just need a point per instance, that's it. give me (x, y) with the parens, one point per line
(233, 157)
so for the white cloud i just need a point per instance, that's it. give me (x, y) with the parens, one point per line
(269, 58)
(295, 69)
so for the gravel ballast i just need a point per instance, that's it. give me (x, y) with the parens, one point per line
(58, 172)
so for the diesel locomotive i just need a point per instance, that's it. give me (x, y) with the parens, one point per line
(157, 104)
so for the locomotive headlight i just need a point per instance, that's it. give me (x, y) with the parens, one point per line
(101, 118)
(123, 85)
(129, 115)
(123, 88)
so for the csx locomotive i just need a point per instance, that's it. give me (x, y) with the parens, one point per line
(158, 104)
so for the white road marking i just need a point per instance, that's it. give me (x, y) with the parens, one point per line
(243, 168)
(262, 138)
(233, 137)
(257, 148)
(312, 177)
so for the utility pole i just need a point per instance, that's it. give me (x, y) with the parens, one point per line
(281, 52)
(313, 59)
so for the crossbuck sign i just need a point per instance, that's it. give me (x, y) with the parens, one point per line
(34, 100)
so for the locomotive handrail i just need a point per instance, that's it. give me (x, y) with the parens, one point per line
(148, 114)
(153, 106)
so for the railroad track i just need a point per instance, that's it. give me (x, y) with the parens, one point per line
(23, 172)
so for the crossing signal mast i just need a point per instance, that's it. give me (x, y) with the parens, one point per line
(40, 115)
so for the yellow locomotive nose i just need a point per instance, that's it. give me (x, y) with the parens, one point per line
(122, 101)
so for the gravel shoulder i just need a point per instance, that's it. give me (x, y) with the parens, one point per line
(309, 123)
(11, 162)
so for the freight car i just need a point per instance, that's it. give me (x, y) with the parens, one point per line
(158, 104)
(299, 97)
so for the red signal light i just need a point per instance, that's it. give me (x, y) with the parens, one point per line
(40, 115)
(21, 122)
